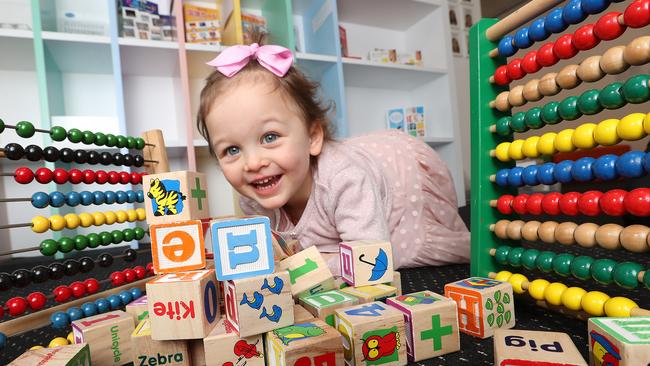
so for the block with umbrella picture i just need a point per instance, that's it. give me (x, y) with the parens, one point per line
(366, 262)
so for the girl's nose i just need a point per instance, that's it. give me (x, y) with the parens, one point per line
(255, 162)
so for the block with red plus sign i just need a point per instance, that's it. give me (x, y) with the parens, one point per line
(311, 343)
(483, 305)
(175, 196)
(183, 305)
(178, 246)
(431, 324)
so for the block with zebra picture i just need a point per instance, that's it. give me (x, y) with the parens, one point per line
(175, 196)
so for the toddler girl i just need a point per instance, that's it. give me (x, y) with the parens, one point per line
(272, 139)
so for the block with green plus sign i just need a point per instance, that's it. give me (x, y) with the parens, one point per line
(431, 324)
(175, 197)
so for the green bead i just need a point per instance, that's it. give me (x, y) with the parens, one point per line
(544, 261)
(568, 109)
(80, 242)
(501, 256)
(118, 236)
(100, 139)
(534, 118)
(129, 234)
(121, 141)
(625, 274)
(503, 126)
(25, 129)
(514, 256)
(646, 279)
(75, 135)
(139, 233)
(562, 264)
(57, 133)
(2, 126)
(580, 267)
(111, 140)
(611, 96)
(528, 258)
(93, 240)
(106, 237)
(130, 142)
(49, 247)
(550, 114)
(588, 102)
(66, 244)
(139, 143)
(601, 270)
(518, 122)
(636, 89)
(88, 138)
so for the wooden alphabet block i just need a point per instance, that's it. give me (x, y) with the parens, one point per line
(397, 282)
(324, 304)
(197, 351)
(243, 247)
(138, 308)
(483, 305)
(619, 341)
(524, 347)
(313, 343)
(371, 293)
(148, 352)
(183, 305)
(300, 314)
(175, 196)
(259, 304)
(70, 355)
(308, 272)
(373, 334)
(366, 262)
(223, 346)
(108, 336)
(177, 247)
(155, 151)
(339, 283)
(431, 324)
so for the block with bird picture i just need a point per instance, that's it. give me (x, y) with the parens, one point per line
(224, 347)
(175, 196)
(307, 343)
(366, 262)
(308, 272)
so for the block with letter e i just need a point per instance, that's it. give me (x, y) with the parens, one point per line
(311, 343)
(177, 247)
(147, 351)
(223, 346)
(183, 305)
(108, 335)
(366, 262)
(175, 196)
(308, 272)
(70, 355)
(619, 341)
(243, 247)
(525, 347)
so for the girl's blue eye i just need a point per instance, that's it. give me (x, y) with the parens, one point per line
(232, 150)
(270, 137)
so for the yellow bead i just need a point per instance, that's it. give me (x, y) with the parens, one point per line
(502, 151)
(530, 147)
(131, 215)
(631, 127)
(537, 287)
(57, 342)
(57, 222)
(503, 276)
(572, 297)
(646, 124)
(593, 303)
(546, 144)
(40, 224)
(619, 307)
(583, 136)
(99, 218)
(70, 337)
(110, 217)
(516, 280)
(121, 216)
(72, 221)
(36, 347)
(86, 219)
(563, 141)
(553, 293)
(142, 214)
(605, 132)
(514, 151)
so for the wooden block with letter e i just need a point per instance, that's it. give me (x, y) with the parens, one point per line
(483, 305)
(431, 324)
(148, 352)
(177, 247)
(300, 314)
(70, 355)
(108, 335)
(223, 346)
(371, 293)
(324, 304)
(175, 196)
(243, 247)
(138, 308)
(525, 347)
(183, 305)
(312, 343)
(308, 272)
(366, 262)
(619, 341)
(373, 334)
(259, 304)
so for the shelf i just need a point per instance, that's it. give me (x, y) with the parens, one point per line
(17, 53)
(16, 33)
(203, 47)
(75, 37)
(437, 141)
(368, 74)
(388, 14)
(136, 42)
(149, 58)
(315, 57)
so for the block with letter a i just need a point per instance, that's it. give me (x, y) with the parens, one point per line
(177, 247)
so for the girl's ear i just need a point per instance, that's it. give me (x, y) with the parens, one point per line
(316, 135)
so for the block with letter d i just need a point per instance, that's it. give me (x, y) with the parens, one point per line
(177, 247)
(175, 196)
(243, 247)
(366, 262)
(308, 272)
(70, 355)
(108, 335)
(311, 343)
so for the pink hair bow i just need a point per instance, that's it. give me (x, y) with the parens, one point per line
(276, 59)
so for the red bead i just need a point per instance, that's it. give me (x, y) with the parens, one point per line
(612, 202)
(569, 203)
(608, 27)
(588, 203)
(36, 300)
(546, 56)
(125, 178)
(515, 71)
(76, 176)
(637, 14)
(62, 293)
(2, 311)
(529, 63)
(60, 176)
(534, 204)
(117, 278)
(140, 272)
(92, 285)
(89, 176)
(129, 275)
(504, 205)
(564, 48)
(44, 175)
(78, 289)
(113, 177)
(637, 202)
(24, 175)
(136, 178)
(551, 203)
(16, 305)
(501, 75)
(584, 38)
(150, 268)
(101, 177)
(519, 204)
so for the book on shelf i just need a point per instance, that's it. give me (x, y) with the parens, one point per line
(409, 120)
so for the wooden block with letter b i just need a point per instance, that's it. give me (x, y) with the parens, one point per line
(324, 304)
(183, 305)
(108, 335)
(175, 196)
(308, 272)
(619, 341)
(525, 347)
(312, 343)
(223, 346)
(147, 351)
(177, 247)
(70, 355)
(366, 262)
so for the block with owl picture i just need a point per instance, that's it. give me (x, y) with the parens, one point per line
(175, 196)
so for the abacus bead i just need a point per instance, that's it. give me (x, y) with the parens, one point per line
(36, 300)
(121, 141)
(92, 285)
(48, 247)
(24, 175)
(583, 136)
(589, 69)
(57, 199)
(608, 236)
(118, 236)
(593, 303)
(637, 14)
(567, 78)
(502, 177)
(125, 296)
(588, 102)
(529, 176)
(582, 169)
(546, 56)
(501, 75)
(93, 157)
(546, 173)
(136, 178)
(16, 306)
(40, 224)
(65, 245)
(51, 154)
(534, 204)
(630, 127)
(72, 199)
(107, 238)
(111, 140)
(607, 27)
(40, 199)
(537, 30)
(514, 256)
(139, 143)
(74, 313)
(605, 167)
(136, 293)
(637, 52)
(500, 231)
(139, 233)
(537, 287)
(33, 153)
(80, 243)
(80, 156)
(619, 307)
(613, 60)
(531, 91)
(88, 137)
(501, 151)
(544, 261)
(106, 158)
(102, 305)
(93, 240)
(519, 203)
(86, 198)
(111, 217)
(513, 230)
(562, 264)
(518, 122)
(646, 280)
(5, 281)
(75, 176)
(115, 302)
(60, 320)
(548, 86)
(120, 197)
(125, 178)
(130, 142)
(564, 48)
(100, 139)
(86, 219)
(529, 63)
(57, 222)
(572, 297)
(569, 203)
(573, 13)
(129, 234)
(86, 264)
(568, 109)
(533, 118)
(553, 293)
(21, 277)
(546, 231)
(99, 218)
(513, 177)
(581, 267)
(554, 22)
(606, 132)
(646, 162)
(504, 204)
(637, 202)
(62, 293)
(130, 196)
(636, 90)
(89, 309)
(516, 96)
(14, 151)
(25, 129)
(522, 39)
(595, 6)
(630, 164)
(625, 274)
(563, 140)
(612, 202)
(71, 267)
(551, 203)
(602, 270)
(105, 260)
(529, 232)
(57, 271)
(121, 216)
(58, 133)
(98, 197)
(588, 203)
(75, 135)
(584, 38)
(101, 177)
(506, 47)
(564, 233)
(550, 113)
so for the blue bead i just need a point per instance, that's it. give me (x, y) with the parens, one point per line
(582, 171)
(125, 296)
(630, 164)
(130, 196)
(646, 163)
(545, 173)
(573, 13)
(115, 301)
(537, 30)
(605, 167)
(563, 171)
(121, 196)
(514, 177)
(89, 309)
(140, 196)
(60, 320)
(594, 6)
(40, 199)
(57, 199)
(86, 198)
(99, 197)
(3, 340)
(506, 48)
(102, 305)
(522, 39)
(530, 175)
(110, 197)
(72, 199)
(554, 22)
(136, 293)
(75, 313)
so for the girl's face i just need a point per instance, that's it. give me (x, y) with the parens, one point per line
(263, 145)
